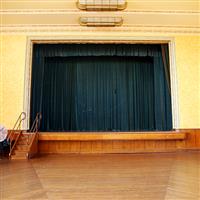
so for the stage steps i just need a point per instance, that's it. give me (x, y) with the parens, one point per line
(23, 143)
(23, 149)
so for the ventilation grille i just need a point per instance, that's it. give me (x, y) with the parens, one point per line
(101, 4)
(101, 21)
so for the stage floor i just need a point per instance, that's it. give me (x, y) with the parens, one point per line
(164, 176)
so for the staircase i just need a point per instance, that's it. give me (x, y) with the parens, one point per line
(23, 144)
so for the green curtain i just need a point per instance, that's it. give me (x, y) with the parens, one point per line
(116, 88)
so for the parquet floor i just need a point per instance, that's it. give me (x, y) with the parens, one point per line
(165, 176)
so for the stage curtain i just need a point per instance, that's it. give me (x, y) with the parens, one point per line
(118, 89)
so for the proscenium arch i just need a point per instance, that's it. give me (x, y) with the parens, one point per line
(100, 40)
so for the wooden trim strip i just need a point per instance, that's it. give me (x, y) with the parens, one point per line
(91, 136)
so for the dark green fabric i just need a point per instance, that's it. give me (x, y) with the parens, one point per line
(78, 89)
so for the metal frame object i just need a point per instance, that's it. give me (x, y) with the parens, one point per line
(113, 5)
(101, 21)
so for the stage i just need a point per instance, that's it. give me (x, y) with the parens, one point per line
(118, 142)
(106, 142)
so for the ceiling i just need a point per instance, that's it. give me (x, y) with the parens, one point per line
(149, 5)
(179, 14)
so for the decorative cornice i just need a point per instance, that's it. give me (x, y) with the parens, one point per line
(69, 28)
(180, 5)
(143, 20)
(70, 11)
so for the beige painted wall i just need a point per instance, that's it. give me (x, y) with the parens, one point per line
(188, 71)
(12, 68)
(13, 55)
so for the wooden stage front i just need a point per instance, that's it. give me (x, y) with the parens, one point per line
(118, 142)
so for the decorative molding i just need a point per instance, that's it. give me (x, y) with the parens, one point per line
(150, 21)
(174, 85)
(27, 83)
(101, 39)
(71, 11)
(46, 28)
(180, 5)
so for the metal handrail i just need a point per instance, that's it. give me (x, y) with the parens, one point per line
(34, 129)
(17, 124)
(16, 127)
(35, 126)
(36, 123)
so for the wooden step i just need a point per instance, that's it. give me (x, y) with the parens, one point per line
(22, 147)
(23, 137)
(17, 152)
(17, 157)
(20, 153)
(26, 134)
(22, 142)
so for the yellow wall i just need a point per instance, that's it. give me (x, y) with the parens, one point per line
(13, 53)
(188, 71)
(12, 68)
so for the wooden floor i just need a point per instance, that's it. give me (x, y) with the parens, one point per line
(164, 176)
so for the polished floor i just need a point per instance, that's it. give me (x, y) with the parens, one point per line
(164, 176)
